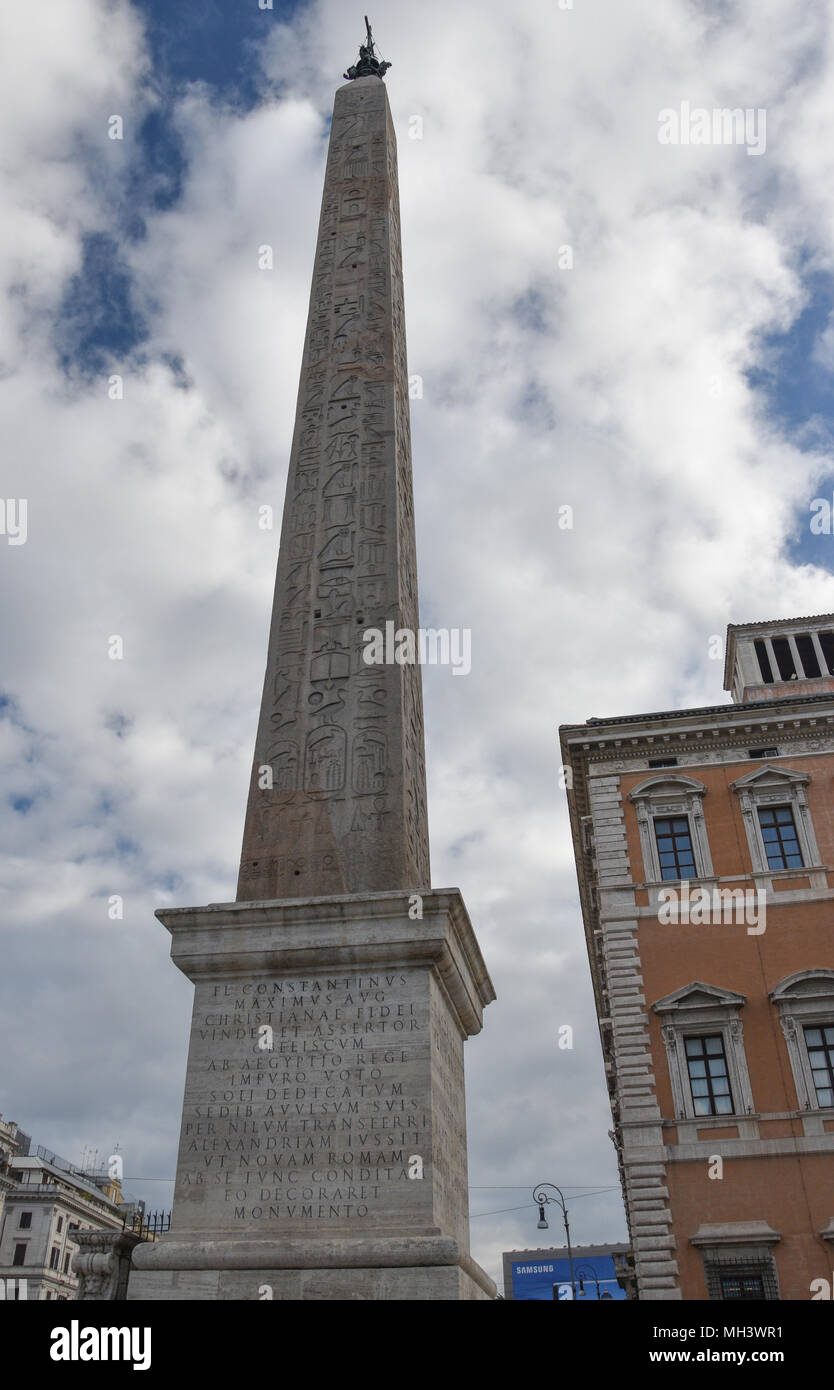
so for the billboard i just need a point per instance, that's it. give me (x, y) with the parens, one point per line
(548, 1278)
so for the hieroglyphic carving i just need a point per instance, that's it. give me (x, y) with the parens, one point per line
(332, 728)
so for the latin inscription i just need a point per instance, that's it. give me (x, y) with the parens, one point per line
(319, 1127)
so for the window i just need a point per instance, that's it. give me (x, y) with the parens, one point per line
(60, 1224)
(806, 1012)
(54, 1257)
(673, 836)
(807, 655)
(704, 1037)
(66, 1263)
(781, 843)
(764, 662)
(827, 644)
(777, 820)
(708, 1076)
(25, 1220)
(744, 1287)
(763, 752)
(674, 847)
(784, 658)
(795, 657)
(19, 1256)
(663, 762)
(738, 1260)
(820, 1044)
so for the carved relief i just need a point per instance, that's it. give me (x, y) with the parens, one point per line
(284, 763)
(369, 762)
(349, 735)
(325, 763)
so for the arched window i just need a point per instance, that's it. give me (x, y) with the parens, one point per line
(806, 1012)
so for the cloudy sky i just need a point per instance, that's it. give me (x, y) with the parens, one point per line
(636, 330)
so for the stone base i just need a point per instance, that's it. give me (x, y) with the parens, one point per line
(443, 1282)
(394, 1270)
(323, 1141)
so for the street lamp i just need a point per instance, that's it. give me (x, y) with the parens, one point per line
(584, 1272)
(541, 1198)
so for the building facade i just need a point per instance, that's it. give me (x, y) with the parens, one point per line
(8, 1149)
(46, 1208)
(704, 844)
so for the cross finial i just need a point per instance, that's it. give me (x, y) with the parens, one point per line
(369, 65)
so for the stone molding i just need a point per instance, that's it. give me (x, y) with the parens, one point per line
(202, 1251)
(356, 930)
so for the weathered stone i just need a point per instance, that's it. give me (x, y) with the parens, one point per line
(343, 739)
(323, 1144)
(324, 1118)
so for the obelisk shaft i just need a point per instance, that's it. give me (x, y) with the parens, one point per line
(340, 740)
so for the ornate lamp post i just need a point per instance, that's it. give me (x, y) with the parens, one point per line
(584, 1272)
(541, 1198)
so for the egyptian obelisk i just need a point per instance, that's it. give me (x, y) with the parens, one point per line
(323, 1141)
(341, 740)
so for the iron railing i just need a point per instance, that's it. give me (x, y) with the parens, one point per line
(148, 1224)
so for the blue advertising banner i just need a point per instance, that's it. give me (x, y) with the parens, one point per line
(594, 1278)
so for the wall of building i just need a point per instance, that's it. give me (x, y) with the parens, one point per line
(794, 1195)
(775, 1192)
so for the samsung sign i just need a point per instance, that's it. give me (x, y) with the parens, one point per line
(536, 1279)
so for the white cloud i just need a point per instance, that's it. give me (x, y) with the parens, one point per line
(618, 387)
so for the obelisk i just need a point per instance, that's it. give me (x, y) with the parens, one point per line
(323, 1142)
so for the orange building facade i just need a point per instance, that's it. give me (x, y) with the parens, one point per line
(704, 843)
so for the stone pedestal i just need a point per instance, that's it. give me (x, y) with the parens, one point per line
(323, 1144)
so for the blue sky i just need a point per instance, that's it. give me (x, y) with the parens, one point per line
(673, 387)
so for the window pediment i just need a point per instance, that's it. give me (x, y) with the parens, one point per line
(667, 785)
(698, 995)
(806, 985)
(770, 777)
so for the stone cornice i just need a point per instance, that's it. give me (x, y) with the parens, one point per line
(736, 723)
(356, 931)
(735, 1233)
